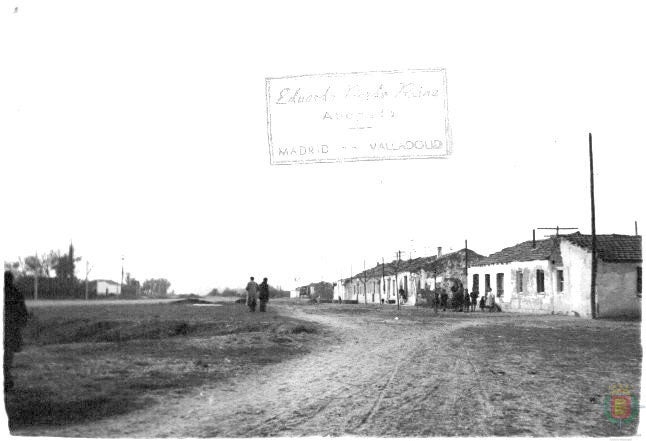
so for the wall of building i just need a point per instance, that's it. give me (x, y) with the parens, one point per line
(102, 286)
(577, 274)
(617, 289)
(529, 300)
(616, 285)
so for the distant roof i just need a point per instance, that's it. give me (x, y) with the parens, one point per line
(106, 280)
(522, 252)
(429, 263)
(611, 247)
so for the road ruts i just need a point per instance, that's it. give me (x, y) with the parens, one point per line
(382, 378)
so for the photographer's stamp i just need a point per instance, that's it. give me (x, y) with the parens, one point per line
(359, 116)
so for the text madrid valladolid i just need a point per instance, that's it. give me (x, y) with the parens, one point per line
(359, 116)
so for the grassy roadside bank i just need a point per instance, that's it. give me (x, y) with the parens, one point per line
(84, 362)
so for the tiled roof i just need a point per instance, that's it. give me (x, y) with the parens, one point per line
(442, 262)
(611, 247)
(426, 263)
(522, 252)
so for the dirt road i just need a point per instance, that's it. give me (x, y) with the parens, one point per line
(375, 375)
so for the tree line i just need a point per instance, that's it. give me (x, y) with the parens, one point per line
(53, 276)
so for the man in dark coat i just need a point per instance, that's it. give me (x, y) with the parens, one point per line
(445, 300)
(252, 291)
(15, 318)
(263, 295)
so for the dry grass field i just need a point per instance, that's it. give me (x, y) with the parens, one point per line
(178, 370)
(90, 361)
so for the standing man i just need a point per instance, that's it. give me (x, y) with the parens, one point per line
(264, 295)
(445, 299)
(474, 300)
(252, 291)
(15, 318)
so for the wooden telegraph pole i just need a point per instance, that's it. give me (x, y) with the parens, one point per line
(593, 279)
(37, 270)
(436, 296)
(466, 265)
(87, 273)
(365, 287)
(383, 278)
(399, 253)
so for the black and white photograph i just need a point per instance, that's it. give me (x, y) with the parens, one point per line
(322, 219)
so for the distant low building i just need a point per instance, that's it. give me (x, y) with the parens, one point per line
(321, 291)
(414, 277)
(553, 276)
(104, 287)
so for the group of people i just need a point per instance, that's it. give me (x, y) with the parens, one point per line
(257, 293)
(464, 301)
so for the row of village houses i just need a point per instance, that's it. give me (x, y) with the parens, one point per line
(551, 276)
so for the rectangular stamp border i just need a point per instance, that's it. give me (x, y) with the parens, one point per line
(447, 126)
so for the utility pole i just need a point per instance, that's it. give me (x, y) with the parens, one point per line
(399, 254)
(435, 294)
(365, 290)
(87, 273)
(36, 271)
(466, 265)
(593, 279)
(352, 284)
(121, 285)
(383, 278)
(636, 233)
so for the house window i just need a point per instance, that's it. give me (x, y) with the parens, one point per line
(540, 281)
(639, 281)
(487, 283)
(500, 282)
(559, 280)
(476, 283)
(519, 281)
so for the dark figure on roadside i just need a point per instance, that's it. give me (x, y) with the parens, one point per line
(252, 291)
(466, 301)
(264, 295)
(402, 295)
(445, 300)
(474, 300)
(15, 318)
(457, 300)
(482, 304)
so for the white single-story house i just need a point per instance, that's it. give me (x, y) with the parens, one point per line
(554, 276)
(413, 277)
(107, 287)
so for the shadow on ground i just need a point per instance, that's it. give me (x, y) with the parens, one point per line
(29, 407)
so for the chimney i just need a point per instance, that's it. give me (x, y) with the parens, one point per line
(439, 252)
(533, 238)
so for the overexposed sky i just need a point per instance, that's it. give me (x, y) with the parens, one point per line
(139, 129)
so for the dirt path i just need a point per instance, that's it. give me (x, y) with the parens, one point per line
(381, 377)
